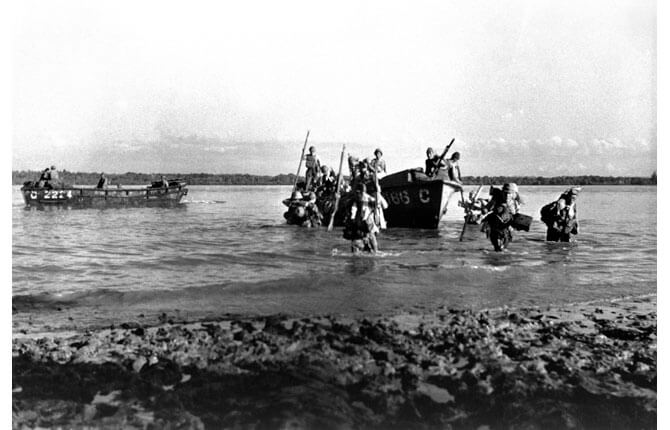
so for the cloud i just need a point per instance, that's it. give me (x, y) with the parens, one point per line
(127, 146)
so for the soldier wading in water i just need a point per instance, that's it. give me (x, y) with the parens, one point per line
(362, 223)
(560, 216)
(501, 209)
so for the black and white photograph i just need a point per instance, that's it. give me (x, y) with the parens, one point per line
(333, 215)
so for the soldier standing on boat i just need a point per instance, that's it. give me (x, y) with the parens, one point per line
(453, 168)
(44, 179)
(313, 171)
(379, 164)
(103, 182)
(560, 216)
(435, 163)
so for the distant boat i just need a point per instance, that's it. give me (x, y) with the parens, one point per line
(416, 200)
(85, 197)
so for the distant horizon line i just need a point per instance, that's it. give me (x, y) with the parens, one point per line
(589, 175)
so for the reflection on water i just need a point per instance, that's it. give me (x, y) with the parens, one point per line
(227, 248)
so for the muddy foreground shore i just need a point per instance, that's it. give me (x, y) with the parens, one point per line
(578, 366)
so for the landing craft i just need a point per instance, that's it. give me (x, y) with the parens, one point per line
(87, 197)
(416, 200)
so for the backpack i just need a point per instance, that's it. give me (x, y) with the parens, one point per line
(548, 212)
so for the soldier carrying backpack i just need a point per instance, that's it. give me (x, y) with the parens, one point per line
(560, 216)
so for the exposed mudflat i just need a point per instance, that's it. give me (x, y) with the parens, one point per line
(578, 366)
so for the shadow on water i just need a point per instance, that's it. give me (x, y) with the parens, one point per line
(360, 265)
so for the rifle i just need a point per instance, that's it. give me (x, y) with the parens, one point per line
(444, 154)
(337, 191)
(295, 182)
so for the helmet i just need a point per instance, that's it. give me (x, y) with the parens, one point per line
(430, 151)
(296, 195)
(456, 156)
(378, 150)
(510, 188)
(574, 190)
(312, 149)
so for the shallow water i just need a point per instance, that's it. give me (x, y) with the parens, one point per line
(228, 250)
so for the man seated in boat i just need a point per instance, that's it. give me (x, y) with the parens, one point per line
(434, 162)
(44, 179)
(361, 172)
(453, 168)
(326, 182)
(103, 182)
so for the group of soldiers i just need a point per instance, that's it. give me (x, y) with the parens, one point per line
(49, 179)
(499, 214)
(317, 200)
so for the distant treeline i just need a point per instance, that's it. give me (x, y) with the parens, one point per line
(131, 178)
(562, 180)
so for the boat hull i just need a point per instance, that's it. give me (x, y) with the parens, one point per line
(415, 200)
(75, 197)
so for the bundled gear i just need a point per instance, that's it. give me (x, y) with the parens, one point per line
(504, 215)
(560, 216)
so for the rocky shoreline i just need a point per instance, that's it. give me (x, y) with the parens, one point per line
(577, 366)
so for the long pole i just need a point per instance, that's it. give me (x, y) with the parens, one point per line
(378, 205)
(337, 191)
(295, 182)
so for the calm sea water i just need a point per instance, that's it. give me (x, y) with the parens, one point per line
(228, 250)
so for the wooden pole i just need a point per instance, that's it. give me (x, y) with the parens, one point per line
(295, 182)
(378, 205)
(337, 191)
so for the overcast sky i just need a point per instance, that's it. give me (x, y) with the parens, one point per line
(526, 87)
